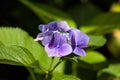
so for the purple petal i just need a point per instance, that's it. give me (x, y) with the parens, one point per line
(40, 37)
(78, 38)
(51, 52)
(72, 38)
(53, 26)
(47, 38)
(63, 26)
(43, 27)
(63, 50)
(83, 40)
(79, 51)
(57, 40)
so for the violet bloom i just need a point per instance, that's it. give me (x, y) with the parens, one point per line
(61, 40)
(78, 41)
(58, 46)
(54, 26)
(47, 31)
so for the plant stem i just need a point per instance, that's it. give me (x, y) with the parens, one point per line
(60, 60)
(51, 70)
(47, 73)
(31, 73)
(51, 64)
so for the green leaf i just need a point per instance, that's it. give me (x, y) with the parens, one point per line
(93, 57)
(65, 77)
(60, 68)
(96, 41)
(16, 55)
(48, 13)
(1, 44)
(16, 36)
(113, 72)
(102, 24)
(94, 60)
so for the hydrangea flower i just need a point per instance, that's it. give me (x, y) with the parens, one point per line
(61, 40)
(58, 46)
(78, 41)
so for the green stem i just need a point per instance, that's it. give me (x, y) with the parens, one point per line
(47, 73)
(51, 70)
(31, 73)
(55, 66)
(51, 64)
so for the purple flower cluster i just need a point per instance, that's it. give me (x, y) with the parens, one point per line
(61, 40)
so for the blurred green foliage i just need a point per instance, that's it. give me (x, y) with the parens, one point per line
(98, 19)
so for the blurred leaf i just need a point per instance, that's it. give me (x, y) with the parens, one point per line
(113, 45)
(1, 44)
(93, 57)
(96, 41)
(65, 77)
(94, 61)
(113, 69)
(48, 13)
(80, 13)
(16, 55)
(113, 72)
(102, 24)
(115, 7)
